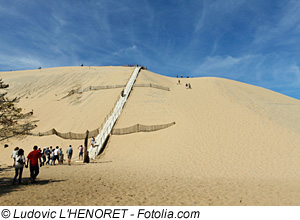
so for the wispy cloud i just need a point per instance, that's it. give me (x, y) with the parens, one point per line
(251, 41)
(226, 66)
(284, 28)
(124, 51)
(268, 71)
(21, 60)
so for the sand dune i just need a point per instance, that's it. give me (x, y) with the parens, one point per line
(232, 144)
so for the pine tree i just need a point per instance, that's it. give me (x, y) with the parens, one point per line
(10, 115)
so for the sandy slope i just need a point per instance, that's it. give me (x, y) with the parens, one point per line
(42, 91)
(232, 144)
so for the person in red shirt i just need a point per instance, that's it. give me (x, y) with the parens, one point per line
(33, 159)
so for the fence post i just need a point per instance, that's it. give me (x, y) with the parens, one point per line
(86, 156)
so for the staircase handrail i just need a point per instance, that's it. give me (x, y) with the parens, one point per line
(113, 116)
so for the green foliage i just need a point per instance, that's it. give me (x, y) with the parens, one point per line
(9, 114)
(11, 123)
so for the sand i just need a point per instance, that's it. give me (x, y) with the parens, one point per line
(232, 144)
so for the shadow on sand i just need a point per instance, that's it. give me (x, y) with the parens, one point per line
(7, 187)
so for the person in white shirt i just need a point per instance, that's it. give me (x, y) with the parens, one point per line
(93, 141)
(56, 153)
(14, 154)
(52, 157)
(19, 165)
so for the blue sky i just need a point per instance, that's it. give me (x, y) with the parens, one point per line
(252, 41)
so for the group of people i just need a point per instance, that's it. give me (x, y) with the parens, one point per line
(38, 158)
(52, 154)
(182, 76)
(33, 159)
(187, 85)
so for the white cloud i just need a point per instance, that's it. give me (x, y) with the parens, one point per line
(13, 62)
(59, 19)
(212, 11)
(282, 28)
(200, 21)
(218, 65)
(269, 71)
(124, 51)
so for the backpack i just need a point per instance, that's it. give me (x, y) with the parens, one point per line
(70, 151)
(20, 160)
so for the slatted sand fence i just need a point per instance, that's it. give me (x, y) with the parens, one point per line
(101, 133)
(95, 88)
(140, 128)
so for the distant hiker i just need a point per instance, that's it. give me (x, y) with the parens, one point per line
(69, 154)
(52, 157)
(56, 153)
(93, 141)
(178, 83)
(122, 93)
(19, 164)
(33, 159)
(60, 156)
(186, 86)
(39, 149)
(190, 86)
(48, 153)
(80, 152)
(81, 64)
(181, 76)
(44, 155)
(14, 154)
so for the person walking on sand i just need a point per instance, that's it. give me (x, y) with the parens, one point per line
(40, 150)
(33, 159)
(61, 156)
(93, 141)
(48, 152)
(52, 157)
(19, 165)
(56, 154)
(14, 154)
(80, 152)
(69, 154)
(44, 155)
